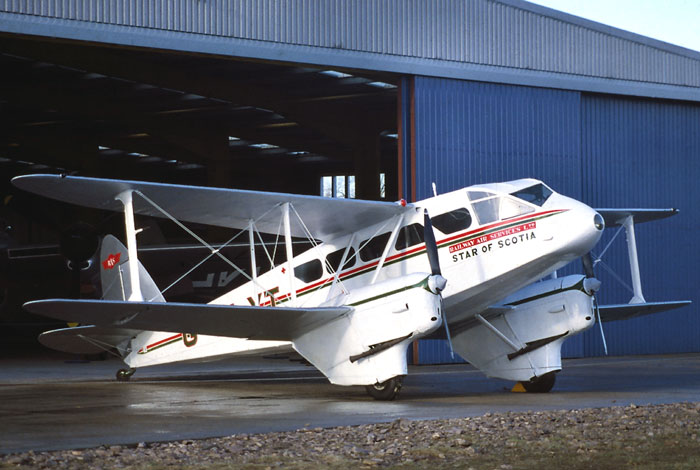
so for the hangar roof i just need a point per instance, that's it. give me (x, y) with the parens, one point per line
(509, 41)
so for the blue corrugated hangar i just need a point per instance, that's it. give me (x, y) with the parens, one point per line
(374, 100)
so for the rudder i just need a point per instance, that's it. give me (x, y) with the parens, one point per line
(114, 274)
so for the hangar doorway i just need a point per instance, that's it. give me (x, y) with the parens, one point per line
(164, 116)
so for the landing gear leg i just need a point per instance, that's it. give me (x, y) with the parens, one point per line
(123, 375)
(541, 384)
(385, 391)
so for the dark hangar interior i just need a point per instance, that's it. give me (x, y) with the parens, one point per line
(165, 116)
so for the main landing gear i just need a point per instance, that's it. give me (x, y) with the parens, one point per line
(541, 384)
(123, 375)
(385, 391)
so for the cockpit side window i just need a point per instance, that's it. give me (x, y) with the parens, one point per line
(536, 194)
(486, 210)
(476, 195)
(511, 207)
(408, 236)
(498, 208)
(453, 221)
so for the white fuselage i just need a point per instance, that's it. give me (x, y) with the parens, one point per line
(490, 244)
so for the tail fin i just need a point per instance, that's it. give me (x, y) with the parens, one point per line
(114, 274)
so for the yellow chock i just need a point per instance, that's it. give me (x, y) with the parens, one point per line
(518, 388)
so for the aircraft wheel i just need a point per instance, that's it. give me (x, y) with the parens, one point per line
(385, 391)
(541, 384)
(123, 375)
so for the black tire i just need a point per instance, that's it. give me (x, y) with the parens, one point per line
(541, 384)
(385, 391)
(123, 375)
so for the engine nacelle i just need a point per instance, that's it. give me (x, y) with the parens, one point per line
(368, 345)
(543, 315)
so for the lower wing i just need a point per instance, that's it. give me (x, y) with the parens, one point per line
(627, 311)
(260, 323)
(86, 339)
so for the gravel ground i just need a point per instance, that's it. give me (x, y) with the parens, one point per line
(662, 436)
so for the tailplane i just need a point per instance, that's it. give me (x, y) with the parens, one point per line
(115, 274)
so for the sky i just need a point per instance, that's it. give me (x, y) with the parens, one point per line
(673, 21)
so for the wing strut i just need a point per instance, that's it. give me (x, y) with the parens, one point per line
(389, 244)
(290, 254)
(638, 298)
(127, 199)
(495, 331)
(253, 266)
(336, 277)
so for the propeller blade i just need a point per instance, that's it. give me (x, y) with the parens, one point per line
(587, 261)
(447, 331)
(591, 285)
(430, 244)
(600, 325)
(436, 281)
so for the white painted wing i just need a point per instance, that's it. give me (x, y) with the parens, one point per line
(627, 311)
(616, 217)
(87, 339)
(260, 323)
(232, 208)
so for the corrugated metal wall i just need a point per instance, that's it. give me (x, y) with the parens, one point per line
(471, 132)
(647, 153)
(468, 31)
(605, 151)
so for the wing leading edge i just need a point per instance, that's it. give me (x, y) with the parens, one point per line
(260, 323)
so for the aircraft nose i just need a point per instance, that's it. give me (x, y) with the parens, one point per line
(585, 227)
(598, 222)
(593, 226)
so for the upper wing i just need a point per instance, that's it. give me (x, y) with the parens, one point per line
(626, 311)
(232, 208)
(261, 323)
(615, 217)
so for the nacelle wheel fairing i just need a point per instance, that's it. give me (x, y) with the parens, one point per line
(532, 330)
(344, 349)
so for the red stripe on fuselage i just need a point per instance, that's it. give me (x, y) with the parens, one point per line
(163, 341)
(417, 249)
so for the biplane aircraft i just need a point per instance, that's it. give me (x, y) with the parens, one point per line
(379, 276)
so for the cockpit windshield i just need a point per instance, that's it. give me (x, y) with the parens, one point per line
(536, 194)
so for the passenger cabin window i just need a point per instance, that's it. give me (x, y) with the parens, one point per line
(372, 249)
(309, 271)
(453, 221)
(537, 194)
(409, 235)
(334, 259)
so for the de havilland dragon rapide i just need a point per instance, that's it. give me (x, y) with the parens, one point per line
(476, 266)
